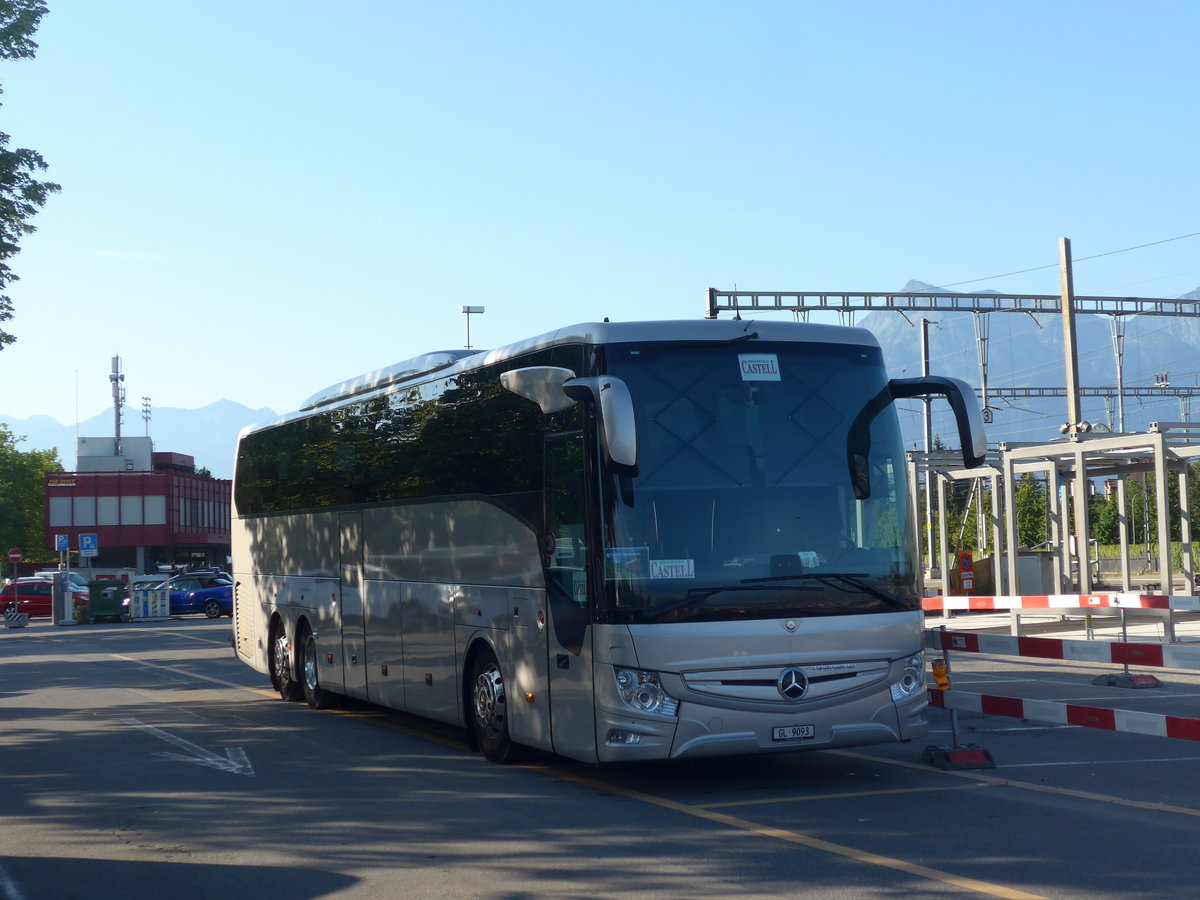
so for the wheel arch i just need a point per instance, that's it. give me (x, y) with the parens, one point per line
(303, 627)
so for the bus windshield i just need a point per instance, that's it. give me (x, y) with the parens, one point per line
(750, 499)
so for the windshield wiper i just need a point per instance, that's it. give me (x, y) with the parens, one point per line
(698, 595)
(838, 580)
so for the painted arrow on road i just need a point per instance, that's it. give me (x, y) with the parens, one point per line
(234, 761)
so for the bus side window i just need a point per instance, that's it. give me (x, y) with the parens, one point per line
(564, 550)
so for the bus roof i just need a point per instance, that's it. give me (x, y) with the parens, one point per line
(448, 362)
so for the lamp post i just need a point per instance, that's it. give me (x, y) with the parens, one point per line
(469, 311)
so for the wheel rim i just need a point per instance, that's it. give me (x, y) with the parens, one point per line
(283, 669)
(310, 666)
(212, 609)
(489, 700)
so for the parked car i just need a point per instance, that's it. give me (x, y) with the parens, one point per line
(211, 594)
(78, 582)
(145, 582)
(35, 596)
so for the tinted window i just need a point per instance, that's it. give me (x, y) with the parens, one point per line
(450, 437)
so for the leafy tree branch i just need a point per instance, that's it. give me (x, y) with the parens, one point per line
(22, 194)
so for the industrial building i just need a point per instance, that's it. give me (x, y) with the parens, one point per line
(147, 510)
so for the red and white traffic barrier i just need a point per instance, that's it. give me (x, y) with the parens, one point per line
(1063, 601)
(1168, 656)
(1053, 713)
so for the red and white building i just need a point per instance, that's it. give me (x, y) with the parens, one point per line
(146, 509)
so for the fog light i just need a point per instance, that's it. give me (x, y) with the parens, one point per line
(620, 736)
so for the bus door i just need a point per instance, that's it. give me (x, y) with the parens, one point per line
(354, 649)
(565, 556)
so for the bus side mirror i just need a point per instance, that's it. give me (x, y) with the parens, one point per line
(962, 401)
(614, 409)
(541, 384)
(967, 414)
(554, 389)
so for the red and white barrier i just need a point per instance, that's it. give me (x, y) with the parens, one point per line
(1054, 713)
(1169, 656)
(1063, 601)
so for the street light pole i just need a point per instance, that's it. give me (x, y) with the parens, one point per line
(469, 311)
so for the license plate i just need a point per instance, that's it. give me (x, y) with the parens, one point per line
(793, 732)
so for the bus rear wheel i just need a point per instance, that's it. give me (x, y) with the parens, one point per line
(317, 696)
(489, 710)
(283, 676)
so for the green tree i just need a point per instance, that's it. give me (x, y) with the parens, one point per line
(21, 194)
(22, 496)
(1030, 501)
(1103, 518)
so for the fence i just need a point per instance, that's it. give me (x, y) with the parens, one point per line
(1161, 606)
(1051, 712)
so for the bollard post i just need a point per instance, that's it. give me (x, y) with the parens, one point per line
(1125, 679)
(958, 755)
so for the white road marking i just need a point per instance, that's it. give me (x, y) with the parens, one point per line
(9, 888)
(234, 761)
(1100, 762)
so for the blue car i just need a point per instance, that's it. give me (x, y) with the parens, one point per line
(193, 593)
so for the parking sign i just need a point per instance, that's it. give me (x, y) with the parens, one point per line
(60, 543)
(88, 545)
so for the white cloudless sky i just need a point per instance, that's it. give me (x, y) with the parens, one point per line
(261, 198)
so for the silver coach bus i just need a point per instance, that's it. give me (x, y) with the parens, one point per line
(616, 541)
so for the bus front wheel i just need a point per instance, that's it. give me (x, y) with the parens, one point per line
(489, 710)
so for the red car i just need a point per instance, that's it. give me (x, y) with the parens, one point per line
(34, 596)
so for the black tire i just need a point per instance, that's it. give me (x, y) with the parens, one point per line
(487, 708)
(317, 696)
(212, 609)
(283, 673)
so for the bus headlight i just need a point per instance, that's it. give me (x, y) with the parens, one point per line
(643, 692)
(912, 678)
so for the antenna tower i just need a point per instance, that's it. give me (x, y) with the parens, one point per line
(118, 391)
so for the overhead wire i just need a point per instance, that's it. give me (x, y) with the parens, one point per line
(1033, 422)
(1077, 259)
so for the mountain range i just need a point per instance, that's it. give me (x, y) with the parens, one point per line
(1023, 351)
(1026, 351)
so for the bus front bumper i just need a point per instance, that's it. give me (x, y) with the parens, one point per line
(701, 730)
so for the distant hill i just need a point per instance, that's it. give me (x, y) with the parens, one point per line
(209, 434)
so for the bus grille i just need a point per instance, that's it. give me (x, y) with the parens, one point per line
(761, 685)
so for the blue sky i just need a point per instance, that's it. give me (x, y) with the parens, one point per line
(261, 198)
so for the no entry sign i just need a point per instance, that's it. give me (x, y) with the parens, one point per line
(14, 555)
